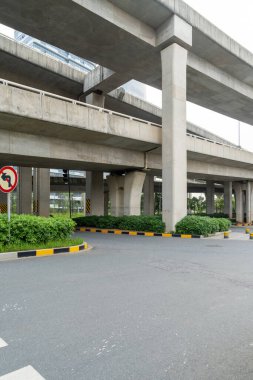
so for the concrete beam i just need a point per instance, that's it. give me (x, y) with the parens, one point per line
(77, 122)
(174, 30)
(25, 65)
(103, 80)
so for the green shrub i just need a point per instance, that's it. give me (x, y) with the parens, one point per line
(224, 224)
(201, 225)
(214, 215)
(34, 229)
(134, 223)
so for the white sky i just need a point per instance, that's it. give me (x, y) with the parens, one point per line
(236, 21)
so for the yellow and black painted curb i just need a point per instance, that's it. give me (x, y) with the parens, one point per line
(43, 252)
(242, 224)
(137, 233)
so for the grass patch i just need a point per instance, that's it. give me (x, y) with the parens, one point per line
(29, 246)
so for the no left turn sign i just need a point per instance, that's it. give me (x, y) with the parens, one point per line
(8, 179)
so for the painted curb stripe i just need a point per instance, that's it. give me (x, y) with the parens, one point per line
(26, 254)
(138, 233)
(52, 251)
(44, 252)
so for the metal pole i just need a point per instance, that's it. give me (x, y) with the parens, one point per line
(9, 206)
(70, 211)
(9, 214)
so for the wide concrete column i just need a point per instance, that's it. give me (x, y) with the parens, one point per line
(248, 202)
(132, 192)
(228, 199)
(210, 191)
(251, 202)
(238, 202)
(106, 202)
(24, 191)
(42, 192)
(148, 192)
(95, 192)
(174, 155)
(116, 194)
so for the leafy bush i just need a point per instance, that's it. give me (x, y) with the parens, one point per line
(134, 223)
(224, 224)
(201, 225)
(34, 229)
(214, 215)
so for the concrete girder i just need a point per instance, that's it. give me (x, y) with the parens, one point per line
(103, 80)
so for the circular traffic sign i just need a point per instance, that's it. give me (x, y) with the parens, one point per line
(8, 179)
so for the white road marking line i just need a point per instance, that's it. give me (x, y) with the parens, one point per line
(2, 343)
(26, 373)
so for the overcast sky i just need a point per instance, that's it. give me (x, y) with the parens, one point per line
(235, 19)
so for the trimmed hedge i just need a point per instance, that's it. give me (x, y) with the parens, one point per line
(34, 229)
(128, 223)
(214, 215)
(202, 225)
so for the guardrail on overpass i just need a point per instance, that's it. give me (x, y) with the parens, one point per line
(103, 110)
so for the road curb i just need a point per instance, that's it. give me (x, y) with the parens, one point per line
(43, 252)
(137, 233)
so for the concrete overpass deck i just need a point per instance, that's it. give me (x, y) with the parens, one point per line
(219, 70)
(26, 65)
(44, 129)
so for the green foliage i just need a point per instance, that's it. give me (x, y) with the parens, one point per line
(34, 229)
(196, 204)
(201, 225)
(224, 224)
(130, 223)
(21, 246)
(214, 215)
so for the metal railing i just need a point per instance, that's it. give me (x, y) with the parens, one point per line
(215, 142)
(73, 101)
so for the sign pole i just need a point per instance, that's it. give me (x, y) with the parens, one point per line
(9, 213)
(9, 206)
(8, 182)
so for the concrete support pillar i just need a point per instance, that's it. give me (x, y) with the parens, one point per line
(210, 190)
(228, 199)
(96, 100)
(116, 194)
(248, 202)
(251, 202)
(42, 193)
(84, 203)
(132, 192)
(24, 191)
(238, 202)
(148, 190)
(95, 192)
(174, 155)
(106, 202)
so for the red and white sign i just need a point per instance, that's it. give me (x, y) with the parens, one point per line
(8, 179)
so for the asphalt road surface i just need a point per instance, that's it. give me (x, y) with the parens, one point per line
(132, 308)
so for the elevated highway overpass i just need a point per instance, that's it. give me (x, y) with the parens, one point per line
(168, 46)
(124, 38)
(30, 67)
(61, 132)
